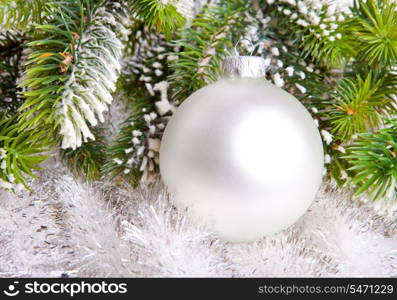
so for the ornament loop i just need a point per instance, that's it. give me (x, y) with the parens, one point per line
(236, 53)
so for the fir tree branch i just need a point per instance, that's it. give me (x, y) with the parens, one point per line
(165, 16)
(126, 155)
(19, 14)
(320, 31)
(372, 159)
(20, 152)
(73, 69)
(11, 49)
(359, 104)
(133, 157)
(88, 160)
(374, 28)
(354, 108)
(203, 45)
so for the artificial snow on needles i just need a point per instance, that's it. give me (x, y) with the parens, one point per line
(98, 69)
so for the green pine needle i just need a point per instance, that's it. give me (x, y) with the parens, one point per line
(11, 49)
(87, 160)
(359, 103)
(23, 150)
(204, 44)
(158, 14)
(372, 159)
(375, 30)
(117, 156)
(19, 14)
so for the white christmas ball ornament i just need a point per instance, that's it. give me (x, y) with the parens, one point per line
(244, 156)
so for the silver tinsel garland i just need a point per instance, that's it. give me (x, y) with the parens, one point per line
(68, 228)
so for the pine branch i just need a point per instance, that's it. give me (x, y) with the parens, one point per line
(165, 16)
(203, 45)
(133, 157)
(354, 109)
(327, 38)
(128, 156)
(359, 104)
(73, 69)
(372, 159)
(374, 28)
(286, 66)
(88, 160)
(20, 152)
(320, 31)
(11, 49)
(19, 14)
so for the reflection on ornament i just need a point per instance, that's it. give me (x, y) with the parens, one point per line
(253, 152)
(243, 155)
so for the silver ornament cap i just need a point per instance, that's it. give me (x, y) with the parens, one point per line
(244, 67)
